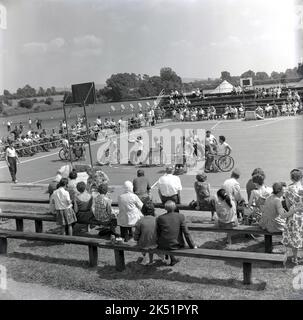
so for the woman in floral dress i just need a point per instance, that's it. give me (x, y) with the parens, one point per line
(291, 194)
(293, 234)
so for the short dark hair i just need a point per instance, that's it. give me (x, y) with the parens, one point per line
(222, 138)
(258, 171)
(277, 187)
(73, 175)
(236, 173)
(258, 178)
(63, 183)
(103, 188)
(140, 173)
(81, 186)
(296, 175)
(148, 208)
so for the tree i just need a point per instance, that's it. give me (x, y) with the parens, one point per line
(41, 92)
(170, 80)
(53, 89)
(48, 92)
(300, 69)
(261, 76)
(248, 74)
(49, 100)
(26, 103)
(6, 93)
(225, 75)
(291, 73)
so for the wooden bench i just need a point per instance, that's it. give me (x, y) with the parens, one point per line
(246, 258)
(241, 229)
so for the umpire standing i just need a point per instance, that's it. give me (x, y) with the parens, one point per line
(11, 158)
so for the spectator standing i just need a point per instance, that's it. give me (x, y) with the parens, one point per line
(293, 233)
(292, 191)
(12, 158)
(145, 231)
(63, 206)
(129, 211)
(53, 184)
(72, 184)
(141, 186)
(83, 204)
(171, 227)
(170, 187)
(8, 124)
(233, 189)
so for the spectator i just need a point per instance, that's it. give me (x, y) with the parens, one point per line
(145, 231)
(170, 187)
(232, 188)
(292, 191)
(141, 186)
(83, 204)
(226, 212)
(129, 210)
(171, 227)
(250, 186)
(257, 199)
(72, 184)
(53, 184)
(204, 199)
(293, 233)
(272, 218)
(63, 206)
(102, 210)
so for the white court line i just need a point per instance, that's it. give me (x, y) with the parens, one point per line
(213, 127)
(268, 122)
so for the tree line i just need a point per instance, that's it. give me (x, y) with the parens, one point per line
(131, 86)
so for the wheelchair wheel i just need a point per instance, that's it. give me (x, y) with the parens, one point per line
(63, 154)
(225, 163)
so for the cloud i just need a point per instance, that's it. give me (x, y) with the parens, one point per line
(86, 41)
(33, 48)
(87, 45)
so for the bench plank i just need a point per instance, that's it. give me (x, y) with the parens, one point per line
(237, 230)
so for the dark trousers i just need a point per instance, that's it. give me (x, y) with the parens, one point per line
(174, 198)
(126, 233)
(12, 167)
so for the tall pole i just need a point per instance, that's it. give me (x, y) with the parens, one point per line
(87, 129)
(69, 147)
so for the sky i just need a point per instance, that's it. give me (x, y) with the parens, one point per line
(60, 42)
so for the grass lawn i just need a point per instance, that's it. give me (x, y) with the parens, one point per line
(66, 267)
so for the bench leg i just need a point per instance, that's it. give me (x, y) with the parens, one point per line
(120, 260)
(19, 225)
(3, 245)
(247, 272)
(39, 226)
(268, 243)
(93, 255)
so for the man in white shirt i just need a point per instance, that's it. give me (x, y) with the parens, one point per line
(169, 187)
(11, 158)
(209, 138)
(232, 188)
(223, 147)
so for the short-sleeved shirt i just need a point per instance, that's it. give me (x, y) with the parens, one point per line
(222, 148)
(11, 152)
(169, 185)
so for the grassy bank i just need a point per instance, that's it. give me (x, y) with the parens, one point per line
(66, 267)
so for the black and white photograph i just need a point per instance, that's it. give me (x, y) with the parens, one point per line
(151, 151)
